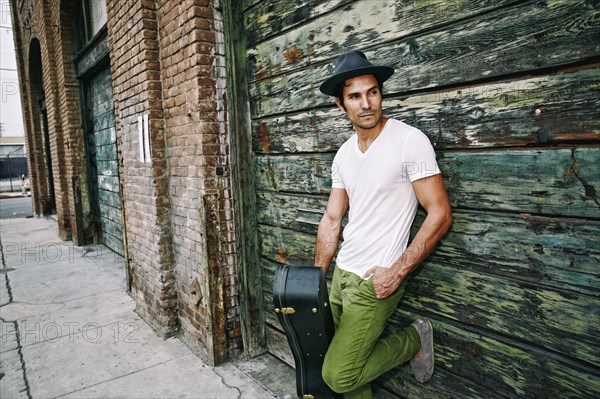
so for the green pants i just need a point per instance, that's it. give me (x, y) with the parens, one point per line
(357, 355)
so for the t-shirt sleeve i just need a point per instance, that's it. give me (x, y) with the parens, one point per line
(337, 180)
(419, 157)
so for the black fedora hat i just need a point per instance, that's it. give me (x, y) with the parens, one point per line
(350, 65)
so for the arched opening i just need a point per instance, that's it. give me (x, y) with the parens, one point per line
(43, 186)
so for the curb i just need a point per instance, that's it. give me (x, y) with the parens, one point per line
(14, 195)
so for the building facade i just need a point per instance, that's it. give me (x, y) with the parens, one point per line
(190, 137)
(126, 121)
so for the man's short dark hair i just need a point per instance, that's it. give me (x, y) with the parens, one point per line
(339, 90)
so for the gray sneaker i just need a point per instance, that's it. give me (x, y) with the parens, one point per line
(422, 367)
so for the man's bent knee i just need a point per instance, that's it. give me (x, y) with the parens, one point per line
(332, 379)
(338, 381)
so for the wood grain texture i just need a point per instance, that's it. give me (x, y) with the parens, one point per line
(563, 254)
(504, 114)
(508, 367)
(270, 18)
(558, 319)
(507, 41)
(553, 181)
(288, 210)
(247, 4)
(342, 26)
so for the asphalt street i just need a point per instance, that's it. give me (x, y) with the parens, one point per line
(17, 207)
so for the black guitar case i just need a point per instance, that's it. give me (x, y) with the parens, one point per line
(302, 307)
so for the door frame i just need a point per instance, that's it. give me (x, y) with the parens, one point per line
(244, 194)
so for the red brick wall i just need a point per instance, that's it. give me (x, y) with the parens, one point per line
(135, 66)
(193, 75)
(47, 18)
(226, 205)
(167, 61)
(69, 111)
(42, 24)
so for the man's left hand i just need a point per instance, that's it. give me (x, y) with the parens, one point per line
(385, 281)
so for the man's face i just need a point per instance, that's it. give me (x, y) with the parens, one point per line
(362, 101)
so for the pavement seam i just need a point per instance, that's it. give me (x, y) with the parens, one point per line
(90, 295)
(16, 325)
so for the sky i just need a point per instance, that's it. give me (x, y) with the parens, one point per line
(10, 100)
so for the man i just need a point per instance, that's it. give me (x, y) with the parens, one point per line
(379, 175)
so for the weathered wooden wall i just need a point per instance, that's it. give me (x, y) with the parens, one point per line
(509, 93)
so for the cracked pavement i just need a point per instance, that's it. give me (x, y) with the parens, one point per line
(69, 329)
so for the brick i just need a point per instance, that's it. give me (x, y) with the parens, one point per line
(165, 62)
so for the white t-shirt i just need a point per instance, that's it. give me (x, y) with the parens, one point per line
(383, 203)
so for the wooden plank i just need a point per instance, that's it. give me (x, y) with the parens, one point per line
(109, 198)
(286, 246)
(559, 253)
(246, 4)
(108, 183)
(115, 244)
(309, 174)
(511, 40)
(553, 182)
(108, 168)
(490, 115)
(290, 210)
(513, 370)
(242, 182)
(342, 26)
(550, 181)
(211, 268)
(113, 214)
(560, 320)
(278, 346)
(271, 18)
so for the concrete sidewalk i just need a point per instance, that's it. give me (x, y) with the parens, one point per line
(68, 329)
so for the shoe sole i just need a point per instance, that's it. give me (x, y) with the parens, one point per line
(426, 346)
